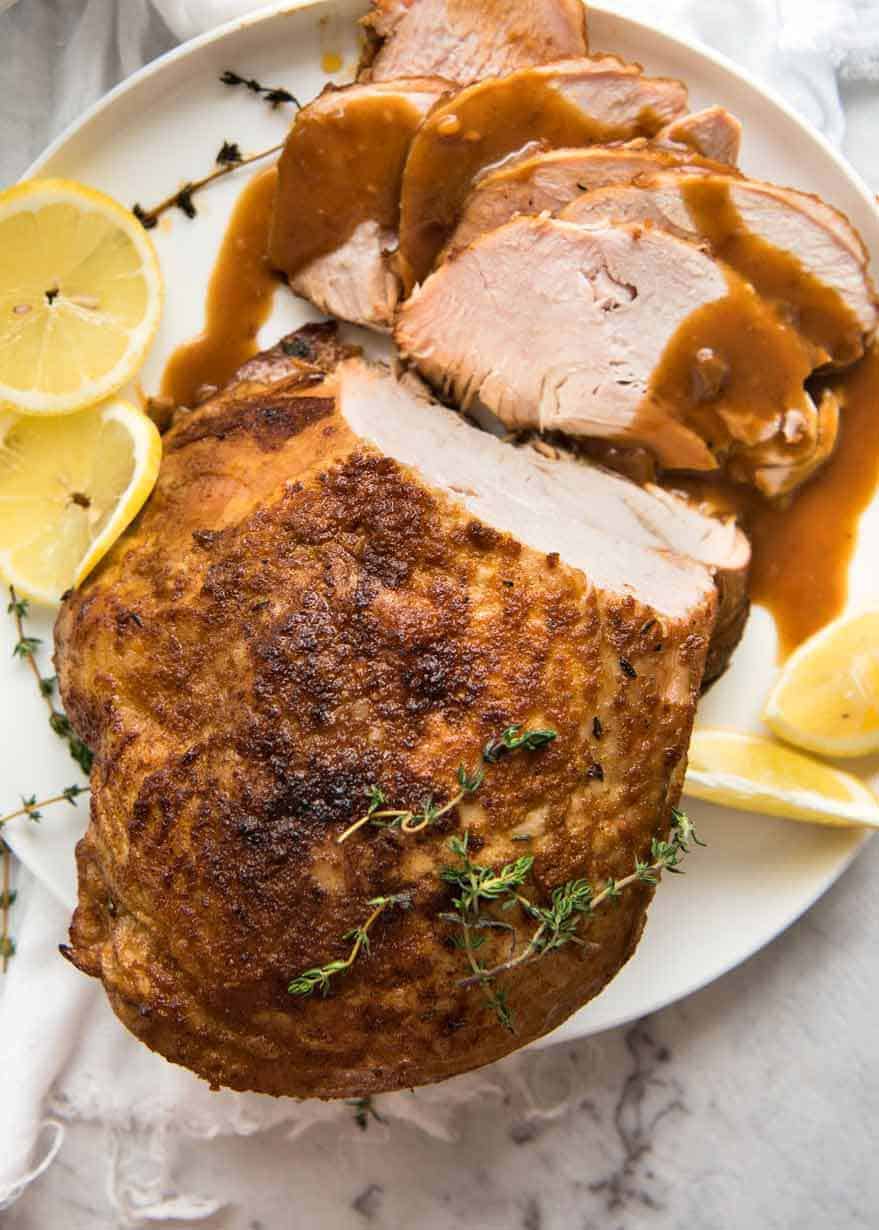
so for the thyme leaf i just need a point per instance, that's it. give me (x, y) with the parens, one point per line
(512, 741)
(229, 158)
(406, 820)
(364, 1108)
(557, 922)
(230, 152)
(25, 649)
(33, 809)
(7, 944)
(319, 977)
(272, 94)
(26, 646)
(469, 782)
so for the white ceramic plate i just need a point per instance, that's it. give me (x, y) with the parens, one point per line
(162, 127)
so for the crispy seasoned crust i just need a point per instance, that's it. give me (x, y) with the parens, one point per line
(293, 618)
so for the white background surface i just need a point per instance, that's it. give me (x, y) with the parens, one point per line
(761, 1115)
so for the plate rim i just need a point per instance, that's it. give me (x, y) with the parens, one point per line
(281, 8)
(675, 41)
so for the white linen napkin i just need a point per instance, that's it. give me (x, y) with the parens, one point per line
(64, 1054)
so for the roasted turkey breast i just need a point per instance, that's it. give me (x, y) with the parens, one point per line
(463, 40)
(551, 179)
(712, 132)
(571, 103)
(316, 601)
(800, 254)
(337, 202)
(627, 332)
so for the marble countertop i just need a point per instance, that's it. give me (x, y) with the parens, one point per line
(751, 1104)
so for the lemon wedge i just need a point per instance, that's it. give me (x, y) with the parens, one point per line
(826, 698)
(80, 296)
(754, 774)
(69, 486)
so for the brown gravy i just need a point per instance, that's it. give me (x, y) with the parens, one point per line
(730, 372)
(813, 307)
(761, 349)
(802, 551)
(475, 129)
(238, 302)
(341, 167)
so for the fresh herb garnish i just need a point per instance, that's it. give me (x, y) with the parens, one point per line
(476, 885)
(364, 1108)
(273, 94)
(33, 809)
(230, 152)
(229, 158)
(512, 741)
(557, 923)
(412, 821)
(25, 648)
(320, 976)
(7, 897)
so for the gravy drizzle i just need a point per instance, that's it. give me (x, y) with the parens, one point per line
(341, 168)
(238, 301)
(730, 372)
(473, 131)
(748, 400)
(802, 550)
(810, 305)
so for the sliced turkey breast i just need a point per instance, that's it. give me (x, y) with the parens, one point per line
(651, 517)
(798, 253)
(465, 40)
(324, 595)
(338, 197)
(550, 179)
(577, 102)
(713, 132)
(623, 332)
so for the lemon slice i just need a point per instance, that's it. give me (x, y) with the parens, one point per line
(69, 486)
(827, 696)
(80, 296)
(754, 774)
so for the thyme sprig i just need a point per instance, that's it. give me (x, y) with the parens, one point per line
(26, 649)
(272, 94)
(364, 1108)
(229, 159)
(411, 821)
(7, 897)
(33, 809)
(320, 976)
(557, 923)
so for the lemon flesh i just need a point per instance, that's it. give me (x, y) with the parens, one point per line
(69, 485)
(826, 699)
(80, 296)
(758, 775)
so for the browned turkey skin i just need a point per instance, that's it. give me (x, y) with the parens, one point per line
(298, 614)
